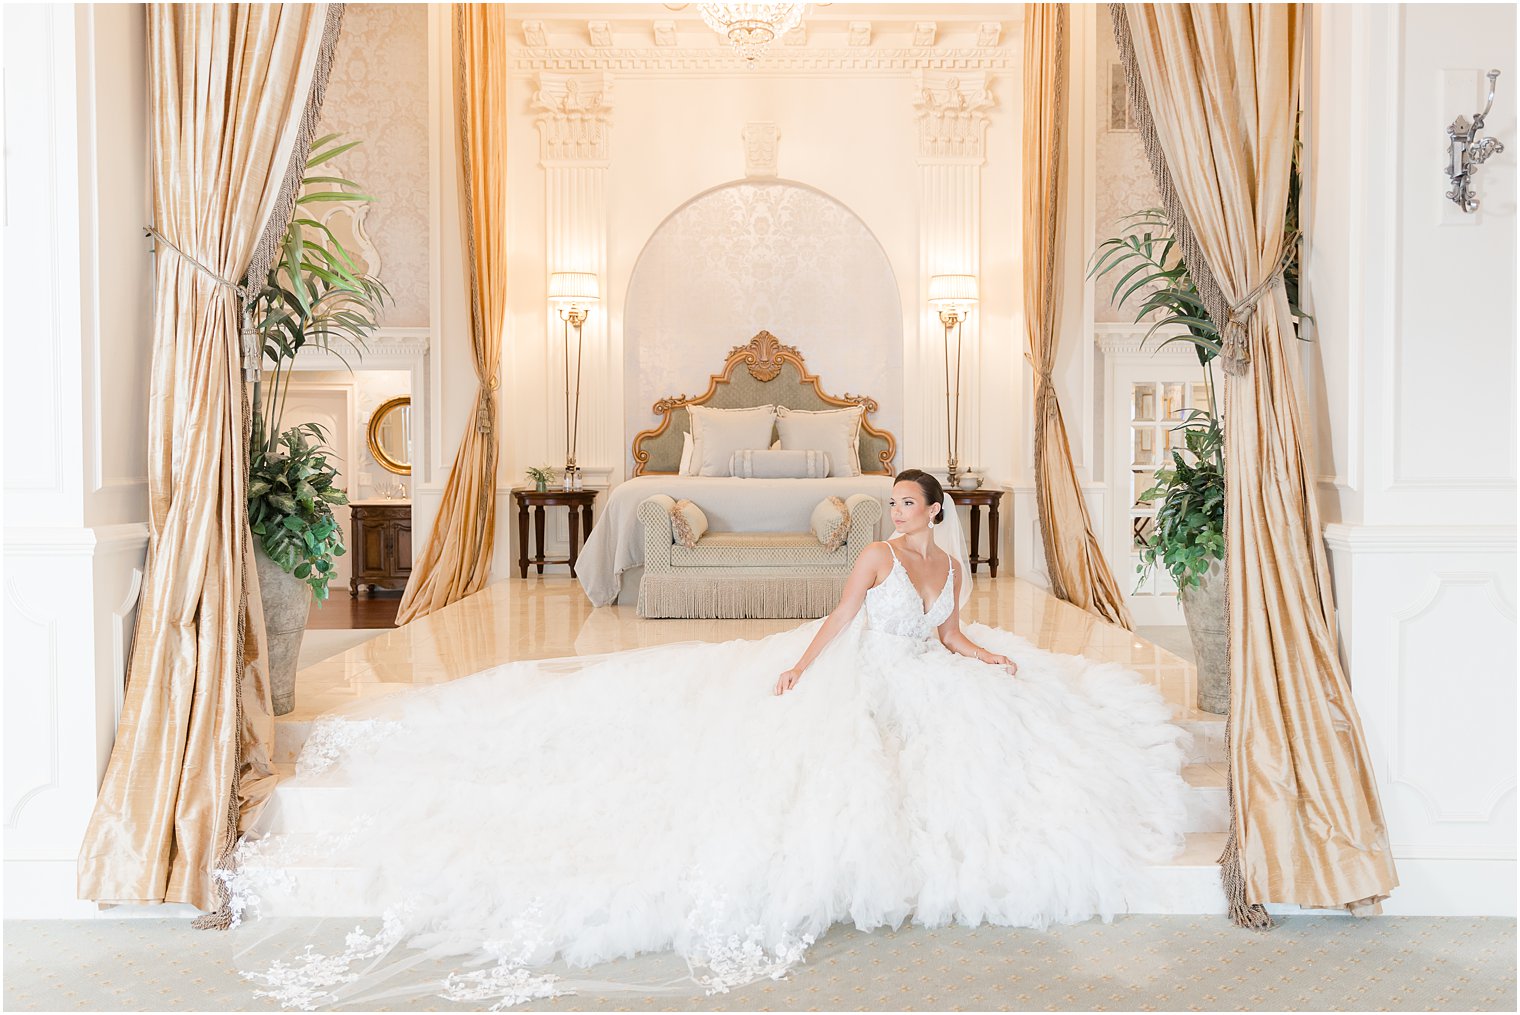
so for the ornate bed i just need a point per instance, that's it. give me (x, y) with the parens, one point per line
(772, 374)
(762, 371)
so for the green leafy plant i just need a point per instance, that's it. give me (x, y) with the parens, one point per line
(290, 500)
(540, 473)
(1189, 533)
(315, 296)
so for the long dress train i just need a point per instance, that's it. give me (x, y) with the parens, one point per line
(592, 808)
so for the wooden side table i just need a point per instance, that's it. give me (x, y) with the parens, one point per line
(579, 504)
(989, 497)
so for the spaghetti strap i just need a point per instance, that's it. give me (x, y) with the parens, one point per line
(888, 544)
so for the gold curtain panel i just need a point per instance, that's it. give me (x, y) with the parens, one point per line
(228, 86)
(456, 561)
(1073, 557)
(1222, 83)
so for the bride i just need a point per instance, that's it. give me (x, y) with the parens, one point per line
(729, 801)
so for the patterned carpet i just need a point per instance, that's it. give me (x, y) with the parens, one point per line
(1144, 963)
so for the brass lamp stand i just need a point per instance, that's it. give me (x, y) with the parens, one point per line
(572, 293)
(953, 296)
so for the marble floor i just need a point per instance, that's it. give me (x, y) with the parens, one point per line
(549, 616)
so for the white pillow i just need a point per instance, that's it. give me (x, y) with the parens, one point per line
(831, 523)
(835, 431)
(717, 433)
(687, 523)
(684, 469)
(777, 464)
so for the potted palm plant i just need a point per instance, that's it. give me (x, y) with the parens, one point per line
(1188, 539)
(315, 296)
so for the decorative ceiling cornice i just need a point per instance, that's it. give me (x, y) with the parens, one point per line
(778, 60)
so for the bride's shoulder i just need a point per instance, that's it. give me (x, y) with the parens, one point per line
(876, 555)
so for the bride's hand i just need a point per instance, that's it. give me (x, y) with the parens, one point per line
(788, 680)
(998, 660)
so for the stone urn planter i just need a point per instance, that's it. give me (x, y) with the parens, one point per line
(1203, 606)
(287, 604)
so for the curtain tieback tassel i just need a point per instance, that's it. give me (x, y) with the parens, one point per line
(1234, 340)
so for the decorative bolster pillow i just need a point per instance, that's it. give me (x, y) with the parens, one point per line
(831, 523)
(687, 522)
(780, 464)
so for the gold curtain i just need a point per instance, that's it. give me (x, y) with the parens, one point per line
(228, 86)
(457, 558)
(1222, 83)
(1078, 572)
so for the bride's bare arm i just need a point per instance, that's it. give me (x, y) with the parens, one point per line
(953, 638)
(873, 560)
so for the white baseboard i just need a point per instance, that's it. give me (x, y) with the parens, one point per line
(1434, 887)
(42, 889)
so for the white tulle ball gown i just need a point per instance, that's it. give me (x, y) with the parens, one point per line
(592, 808)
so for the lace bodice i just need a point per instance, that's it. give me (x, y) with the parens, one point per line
(895, 607)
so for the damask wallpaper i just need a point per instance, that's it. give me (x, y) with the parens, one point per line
(378, 94)
(770, 256)
(1124, 178)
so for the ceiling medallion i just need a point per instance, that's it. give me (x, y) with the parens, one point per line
(750, 28)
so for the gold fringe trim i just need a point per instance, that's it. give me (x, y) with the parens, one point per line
(740, 597)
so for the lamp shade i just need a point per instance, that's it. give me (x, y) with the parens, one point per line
(573, 287)
(952, 291)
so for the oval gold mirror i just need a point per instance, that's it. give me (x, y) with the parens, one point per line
(390, 435)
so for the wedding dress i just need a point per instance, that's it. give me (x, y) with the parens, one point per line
(592, 808)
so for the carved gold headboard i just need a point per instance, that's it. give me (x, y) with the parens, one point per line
(773, 374)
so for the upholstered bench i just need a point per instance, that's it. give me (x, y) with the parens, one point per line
(738, 575)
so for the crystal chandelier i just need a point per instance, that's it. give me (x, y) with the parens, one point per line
(752, 27)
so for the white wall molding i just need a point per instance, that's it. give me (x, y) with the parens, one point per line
(73, 541)
(1451, 793)
(386, 349)
(1382, 539)
(1125, 340)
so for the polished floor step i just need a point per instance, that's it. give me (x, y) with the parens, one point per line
(1188, 884)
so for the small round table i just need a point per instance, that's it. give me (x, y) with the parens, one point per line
(579, 504)
(988, 497)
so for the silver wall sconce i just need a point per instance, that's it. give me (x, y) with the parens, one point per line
(1468, 153)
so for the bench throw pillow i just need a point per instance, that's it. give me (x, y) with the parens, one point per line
(831, 523)
(717, 433)
(780, 464)
(836, 431)
(687, 523)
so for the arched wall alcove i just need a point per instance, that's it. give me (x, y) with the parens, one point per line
(755, 255)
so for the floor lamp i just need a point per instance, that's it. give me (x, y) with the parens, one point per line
(953, 296)
(572, 293)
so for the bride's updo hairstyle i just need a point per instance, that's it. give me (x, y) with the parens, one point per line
(934, 493)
